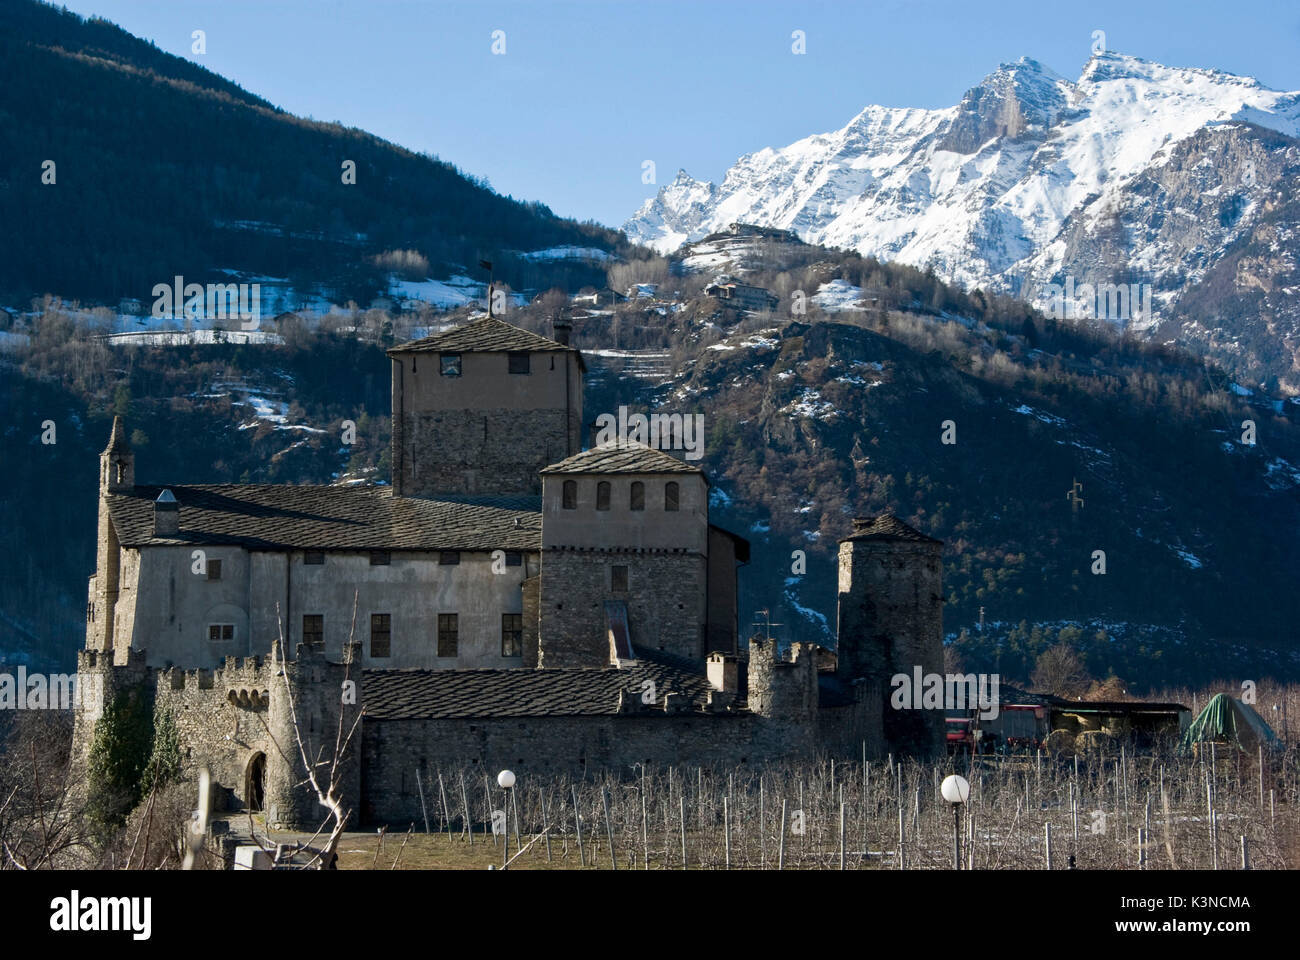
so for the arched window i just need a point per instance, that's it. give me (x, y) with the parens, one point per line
(670, 495)
(638, 495)
(602, 495)
(570, 495)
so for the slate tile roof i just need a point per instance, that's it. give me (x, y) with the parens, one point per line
(560, 692)
(274, 516)
(485, 335)
(622, 458)
(886, 527)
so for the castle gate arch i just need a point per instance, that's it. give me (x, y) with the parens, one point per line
(255, 782)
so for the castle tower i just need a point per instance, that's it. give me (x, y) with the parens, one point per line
(322, 693)
(625, 541)
(98, 683)
(482, 408)
(891, 620)
(116, 475)
(783, 688)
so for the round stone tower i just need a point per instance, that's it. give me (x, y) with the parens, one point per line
(891, 621)
(320, 693)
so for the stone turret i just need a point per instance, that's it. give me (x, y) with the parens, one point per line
(99, 683)
(320, 695)
(117, 462)
(783, 687)
(116, 475)
(891, 619)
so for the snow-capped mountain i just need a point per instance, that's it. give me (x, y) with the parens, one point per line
(1136, 173)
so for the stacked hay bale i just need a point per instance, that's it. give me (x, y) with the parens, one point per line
(1119, 726)
(1093, 743)
(1060, 742)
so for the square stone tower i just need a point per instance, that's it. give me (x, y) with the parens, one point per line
(891, 620)
(625, 541)
(482, 408)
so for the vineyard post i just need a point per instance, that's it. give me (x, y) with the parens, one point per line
(609, 828)
(780, 857)
(464, 799)
(681, 805)
(577, 824)
(842, 811)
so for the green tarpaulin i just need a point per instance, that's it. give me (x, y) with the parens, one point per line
(1227, 720)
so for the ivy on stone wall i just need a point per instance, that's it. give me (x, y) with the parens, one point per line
(119, 752)
(164, 764)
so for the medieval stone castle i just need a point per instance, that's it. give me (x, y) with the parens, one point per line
(511, 600)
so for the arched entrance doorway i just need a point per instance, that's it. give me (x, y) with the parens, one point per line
(255, 782)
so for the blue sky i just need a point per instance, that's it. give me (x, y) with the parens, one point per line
(587, 90)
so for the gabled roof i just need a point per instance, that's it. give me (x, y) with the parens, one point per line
(627, 457)
(282, 517)
(554, 692)
(484, 335)
(886, 527)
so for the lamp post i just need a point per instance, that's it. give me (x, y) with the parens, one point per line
(956, 790)
(506, 781)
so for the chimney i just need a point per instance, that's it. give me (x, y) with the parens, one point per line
(166, 515)
(723, 671)
(563, 328)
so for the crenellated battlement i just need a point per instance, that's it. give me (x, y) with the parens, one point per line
(782, 685)
(89, 661)
(244, 672)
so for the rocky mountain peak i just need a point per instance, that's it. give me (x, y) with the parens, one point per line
(1016, 97)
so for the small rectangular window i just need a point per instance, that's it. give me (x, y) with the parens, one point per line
(602, 495)
(380, 558)
(637, 498)
(381, 634)
(618, 578)
(570, 495)
(313, 628)
(514, 558)
(512, 635)
(671, 493)
(519, 362)
(214, 569)
(221, 631)
(450, 365)
(449, 558)
(313, 557)
(448, 639)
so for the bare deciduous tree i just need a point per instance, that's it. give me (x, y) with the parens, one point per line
(1060, 671)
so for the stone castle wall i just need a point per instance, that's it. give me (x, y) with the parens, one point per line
(665, 602)
(220, 720)
(478, 451)
(227, 716)
(394, 750)
(790, 727)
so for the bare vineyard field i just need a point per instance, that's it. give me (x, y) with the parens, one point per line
(1025, 812)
